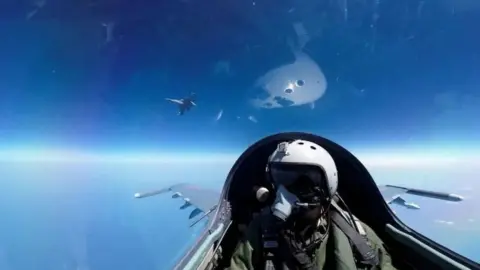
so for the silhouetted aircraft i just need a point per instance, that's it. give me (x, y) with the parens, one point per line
(184, 104)
(244, 195)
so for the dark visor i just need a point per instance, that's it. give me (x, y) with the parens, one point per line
(288, 174)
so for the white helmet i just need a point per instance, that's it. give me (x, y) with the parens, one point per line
(301, 152)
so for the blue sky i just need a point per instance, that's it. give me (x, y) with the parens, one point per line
(402, 76)
(62, 86)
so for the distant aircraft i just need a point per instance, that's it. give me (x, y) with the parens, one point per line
(243, 196)
(184, 104)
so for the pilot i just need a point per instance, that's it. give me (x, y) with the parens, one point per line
(304, 228)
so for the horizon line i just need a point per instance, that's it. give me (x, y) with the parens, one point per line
(381, 157)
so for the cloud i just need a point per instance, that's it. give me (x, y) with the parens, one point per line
(253, 119)
(371, 160)
(219, 115)
(444, 222)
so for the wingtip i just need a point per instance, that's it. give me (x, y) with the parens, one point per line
(456, 197)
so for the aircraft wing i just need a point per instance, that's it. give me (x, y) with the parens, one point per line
(203, 199)
(390, 193)
(179, 102)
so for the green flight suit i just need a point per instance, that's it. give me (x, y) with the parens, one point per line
(248, 252)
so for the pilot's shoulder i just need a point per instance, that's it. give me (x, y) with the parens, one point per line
(348, 217)
(367, 232)
(370, 233)
(362, 227)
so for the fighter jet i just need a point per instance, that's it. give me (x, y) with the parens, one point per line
(244, 195)
(184, 104)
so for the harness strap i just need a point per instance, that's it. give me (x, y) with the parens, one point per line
(291, 253)
(269, 240)
(269, 248)
(367, 255)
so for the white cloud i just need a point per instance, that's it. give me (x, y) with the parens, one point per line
(219, 115)
(444, 222)
(372, 160)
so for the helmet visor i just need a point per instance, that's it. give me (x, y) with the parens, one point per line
(299, 179)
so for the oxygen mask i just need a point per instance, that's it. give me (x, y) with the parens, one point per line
(296, 192)
(284, 203)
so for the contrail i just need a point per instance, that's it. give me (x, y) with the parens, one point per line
(253, 119)
(219, 115)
